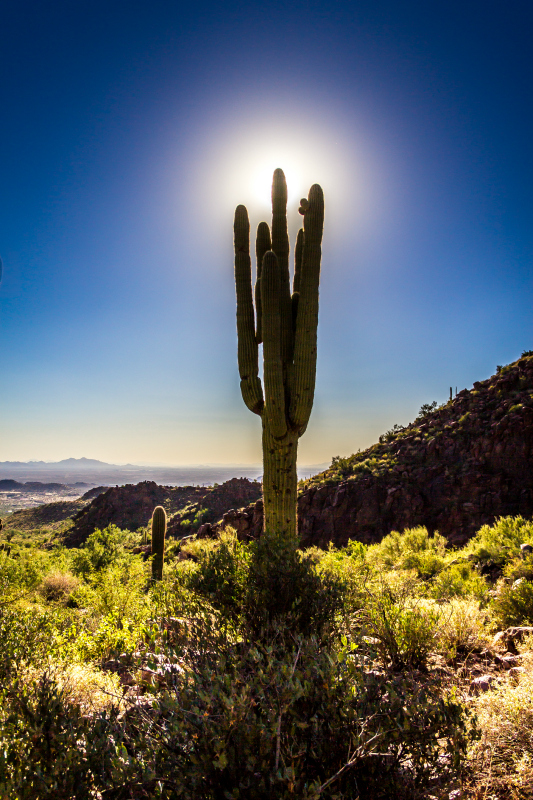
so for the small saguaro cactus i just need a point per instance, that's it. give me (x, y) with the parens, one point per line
(159, 530)
(286, 325)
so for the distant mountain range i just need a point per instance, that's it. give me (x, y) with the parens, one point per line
(97, 473)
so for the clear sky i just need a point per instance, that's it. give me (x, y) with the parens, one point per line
(130, 130)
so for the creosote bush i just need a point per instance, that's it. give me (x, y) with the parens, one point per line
(404, 630)
(266, 581)
(458, 580)
(500, 543)
(512, 604)
(412, 549)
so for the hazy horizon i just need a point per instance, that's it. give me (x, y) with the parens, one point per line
(164, 465)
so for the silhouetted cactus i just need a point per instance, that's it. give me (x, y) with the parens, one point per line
(287, 326)
(159, 530)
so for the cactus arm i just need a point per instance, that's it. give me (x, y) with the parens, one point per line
(280, 246)
(295, 299)
(273, 364)
(262, 246)
(159, 529)
(304, 369)
(252, 393)
(298, 252)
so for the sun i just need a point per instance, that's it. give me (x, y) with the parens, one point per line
(261, 173)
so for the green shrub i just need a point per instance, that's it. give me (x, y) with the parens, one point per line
(284, 584)
(50, 750)
(463, 627)
(264, 720)
(255, 721)
(412, 549)
(513, 603)
(58, 586)
(20, 573)
(500, 543)
(519, 568)
(348, 568)
(403, 630)
(118, 589)
(101, 549)
(222, 574)
(270, 579)
(25, 638)
(459, 580)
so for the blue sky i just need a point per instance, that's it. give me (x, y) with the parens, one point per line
(131, 130)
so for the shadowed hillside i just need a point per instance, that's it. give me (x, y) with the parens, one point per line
(454, 469)
(131, 506)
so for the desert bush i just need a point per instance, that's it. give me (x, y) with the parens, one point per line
(512, 604)
(403, 628)
(463, 627)
(87, 639)
(58, 586)
(50, 749)
(255, 721)
(426, 410)
(267, 720)
(256, 584)
(20, 573)
(118, 589)
(80, 684)
(500, 542)
(102, 549)
(25, 638)
(341, 467)
(412, 549)
(222, 573)
(519, 568)
(348, 567)
(284, 584)
(459, 580)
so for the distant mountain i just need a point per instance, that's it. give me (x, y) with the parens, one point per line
(72, 463)
(97, 473)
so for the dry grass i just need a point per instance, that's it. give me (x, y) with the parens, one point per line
(81, 684)
(58, 586)
(462, 627)
(502, 759)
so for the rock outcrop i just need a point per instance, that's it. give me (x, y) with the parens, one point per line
(131, 506)
(455, 469)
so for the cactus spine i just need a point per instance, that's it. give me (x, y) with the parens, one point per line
(159, 529)
(287, 326)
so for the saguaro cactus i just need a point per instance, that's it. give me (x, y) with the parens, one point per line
(286, 324)
(159, 530)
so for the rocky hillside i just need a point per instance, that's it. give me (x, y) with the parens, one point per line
(131, 506)
(453, 469)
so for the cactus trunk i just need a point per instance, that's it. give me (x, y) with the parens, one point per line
(287, 327)
(280, 482)
(159, 530)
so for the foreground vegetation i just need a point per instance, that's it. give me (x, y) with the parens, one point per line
(258, 671)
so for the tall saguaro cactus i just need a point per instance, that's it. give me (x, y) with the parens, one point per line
(286, 324)
(159, 530)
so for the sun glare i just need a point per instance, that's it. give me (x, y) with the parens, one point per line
(236, 166)
(239, 168)
(261, 179)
